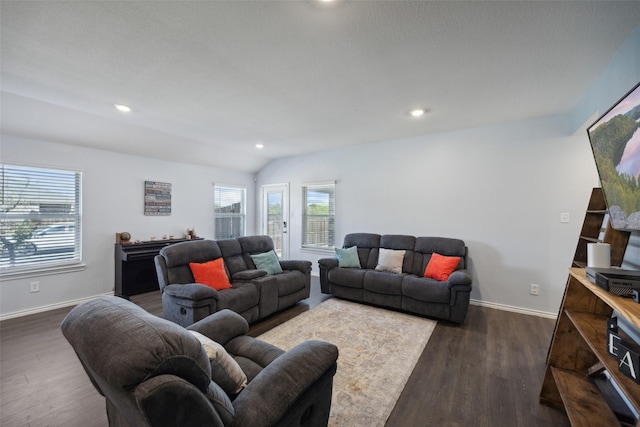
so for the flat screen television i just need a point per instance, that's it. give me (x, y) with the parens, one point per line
(615, 142)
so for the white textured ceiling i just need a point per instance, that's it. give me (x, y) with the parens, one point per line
(208, 80)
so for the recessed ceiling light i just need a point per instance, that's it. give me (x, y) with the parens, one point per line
(418, 112)
(123, 108)
(328, 3)
(259, 146)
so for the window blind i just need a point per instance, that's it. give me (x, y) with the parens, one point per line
(230, 210)
(40, 218)
(318, 215)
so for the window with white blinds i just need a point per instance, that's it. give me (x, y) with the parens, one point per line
(230, 208)
(40, 218)
(318, 215)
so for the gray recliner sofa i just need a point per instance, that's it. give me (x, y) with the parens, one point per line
(254, 294)
(408, 290)
(153, 372)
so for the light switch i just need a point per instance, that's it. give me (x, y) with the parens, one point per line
(564, 217)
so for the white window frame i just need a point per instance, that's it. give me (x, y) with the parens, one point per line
(325, 240)
(34, 200)
(242, 215)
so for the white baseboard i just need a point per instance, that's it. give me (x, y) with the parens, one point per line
(514, 309)
(78, 301)
(49, 307)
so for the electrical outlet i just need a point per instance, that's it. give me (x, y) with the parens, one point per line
(533, 289)
(564, 217)
(35, 287)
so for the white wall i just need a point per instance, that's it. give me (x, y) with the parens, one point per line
(620, 75)
(113, 197)
(499, 188)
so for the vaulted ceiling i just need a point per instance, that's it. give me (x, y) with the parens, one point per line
(208, 80)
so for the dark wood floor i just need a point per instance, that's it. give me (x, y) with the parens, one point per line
(486, 372)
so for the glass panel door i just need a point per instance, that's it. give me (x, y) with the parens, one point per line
(275, 217)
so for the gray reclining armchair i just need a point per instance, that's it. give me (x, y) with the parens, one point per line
(153, 372)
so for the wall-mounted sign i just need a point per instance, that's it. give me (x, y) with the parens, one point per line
(157, 198)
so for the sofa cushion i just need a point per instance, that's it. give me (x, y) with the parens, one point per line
(349, 277)
(242, 297)
(424, 289)
(425, 246)
(180, 274)
(211, 273)
(400, 242)
(268, 262)
(182, 253)
(232, 254)
(290, 282)
(367, 244)
(383, 282)
(256, 244)
(348, 258)
(397, 241)
(225, 371)
(442, 245)
(178, 256)
(252, 245)
(390, 260)
(440, 267)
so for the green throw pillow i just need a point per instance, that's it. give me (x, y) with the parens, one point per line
(348, 258)
(268, 262)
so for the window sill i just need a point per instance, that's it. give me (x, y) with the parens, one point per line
(41, 271)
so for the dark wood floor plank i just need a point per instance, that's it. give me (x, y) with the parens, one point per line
(486, 372)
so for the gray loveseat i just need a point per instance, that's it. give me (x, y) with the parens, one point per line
(254, 293)
(153, 372)
(407, 290)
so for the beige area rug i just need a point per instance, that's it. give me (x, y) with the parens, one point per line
(378, 350)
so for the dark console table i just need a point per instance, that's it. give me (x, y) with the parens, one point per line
(135, 269)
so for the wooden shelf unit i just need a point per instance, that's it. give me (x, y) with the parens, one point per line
(578, 346)
(582, 406)
(595, 230)
(579, 343)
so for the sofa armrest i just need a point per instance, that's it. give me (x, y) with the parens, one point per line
(276, 388)
(248, 274)
(303, 266)
(161, 271)
(459, 277)
(222, 326)
(191, 291)
(328, 263)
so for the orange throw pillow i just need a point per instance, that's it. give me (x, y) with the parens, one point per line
(440, 267)
(211, 273)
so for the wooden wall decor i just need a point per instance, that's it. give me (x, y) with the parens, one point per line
(157, 198)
